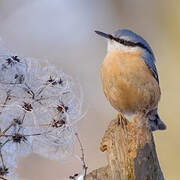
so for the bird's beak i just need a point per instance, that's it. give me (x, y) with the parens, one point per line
(108, 36)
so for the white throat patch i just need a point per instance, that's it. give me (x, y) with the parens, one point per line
(113, 45)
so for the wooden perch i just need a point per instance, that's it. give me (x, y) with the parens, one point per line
(130, 152)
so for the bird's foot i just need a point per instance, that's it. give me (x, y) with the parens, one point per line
(122, 121)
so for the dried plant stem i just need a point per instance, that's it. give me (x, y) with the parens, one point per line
(40, 125)
(7, 98)
(3, 178)
(82, 156)
(3, 132)
(26, 135)
(2, 160)
(4, 104)
(23, 135)
(3, 166)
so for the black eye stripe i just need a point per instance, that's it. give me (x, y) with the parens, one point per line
(143, 46)
(130, 43)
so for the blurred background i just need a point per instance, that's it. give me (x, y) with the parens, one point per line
(63, 32)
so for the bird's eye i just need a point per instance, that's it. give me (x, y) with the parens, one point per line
(122, 41)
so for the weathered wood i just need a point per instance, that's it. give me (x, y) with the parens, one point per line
(130, 151)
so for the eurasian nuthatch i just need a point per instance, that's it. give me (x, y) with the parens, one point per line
(129, 76)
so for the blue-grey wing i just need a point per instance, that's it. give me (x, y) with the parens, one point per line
(151, 65)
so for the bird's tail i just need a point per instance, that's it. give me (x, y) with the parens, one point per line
(155, 122)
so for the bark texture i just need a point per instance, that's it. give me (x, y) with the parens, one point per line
(130, 152)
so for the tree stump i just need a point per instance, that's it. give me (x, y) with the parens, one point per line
(130, 152)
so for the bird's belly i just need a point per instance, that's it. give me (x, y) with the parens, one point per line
(128, 83)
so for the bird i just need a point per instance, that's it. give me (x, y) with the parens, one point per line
(129, 76)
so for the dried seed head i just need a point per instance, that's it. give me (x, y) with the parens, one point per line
(3, 171)
(27, 106)
(57, 123)
(18, 138)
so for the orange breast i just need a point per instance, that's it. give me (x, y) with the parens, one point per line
(128, 83)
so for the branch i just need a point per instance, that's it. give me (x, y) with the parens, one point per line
(82, 156)
(130, 152)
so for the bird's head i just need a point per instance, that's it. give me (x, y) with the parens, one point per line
(126, 40)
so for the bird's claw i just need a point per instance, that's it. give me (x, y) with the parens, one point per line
(121, 120)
